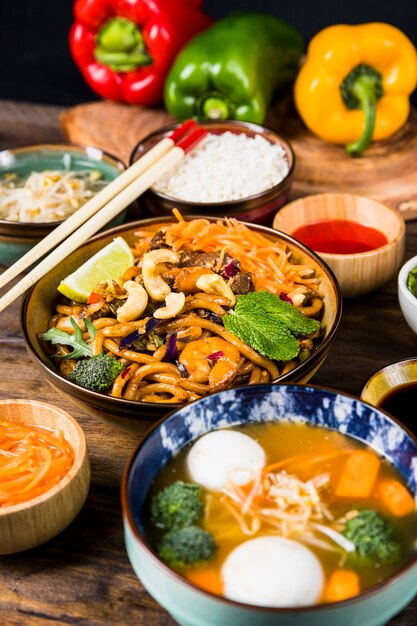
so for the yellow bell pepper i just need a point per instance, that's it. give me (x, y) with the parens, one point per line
(355, 84)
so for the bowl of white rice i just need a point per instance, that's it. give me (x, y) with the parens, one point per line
(239, 169)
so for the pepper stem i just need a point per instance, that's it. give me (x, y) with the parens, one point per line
(361, 89)
(214, 106)
(364, 90)
(120, 45)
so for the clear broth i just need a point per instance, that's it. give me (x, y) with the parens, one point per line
(282, 441)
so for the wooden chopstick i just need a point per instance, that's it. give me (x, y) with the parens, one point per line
(105, 214)
(91, 207)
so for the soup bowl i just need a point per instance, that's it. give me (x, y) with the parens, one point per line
(258, 208)
(39, 306)
(16, 238)
(190, 605)
(360, 272)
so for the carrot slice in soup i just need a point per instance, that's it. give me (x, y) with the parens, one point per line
(206, 578)
(343, 584)
(358, 475)
(396, 498)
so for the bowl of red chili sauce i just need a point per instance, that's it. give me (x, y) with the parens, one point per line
(361, 239)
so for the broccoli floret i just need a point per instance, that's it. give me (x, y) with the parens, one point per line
(177, 505)
(97, 373)
(373, 537)
(182, 547)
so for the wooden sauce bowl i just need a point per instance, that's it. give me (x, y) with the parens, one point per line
(26, 525)
(360, 272)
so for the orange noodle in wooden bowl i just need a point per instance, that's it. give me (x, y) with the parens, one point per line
(32, 460)
(44, 473)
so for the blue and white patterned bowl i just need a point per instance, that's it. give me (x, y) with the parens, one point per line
(191, 606)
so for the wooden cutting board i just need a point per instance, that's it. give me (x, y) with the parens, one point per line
(387, 172)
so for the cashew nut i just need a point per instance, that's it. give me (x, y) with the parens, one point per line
(174, 304)
(213, 283)
(135, 304)
(156, 287)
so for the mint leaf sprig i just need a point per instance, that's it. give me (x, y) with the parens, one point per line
(80, 347)
(269, 325)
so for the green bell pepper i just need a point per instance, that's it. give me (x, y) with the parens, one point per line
(232, 69)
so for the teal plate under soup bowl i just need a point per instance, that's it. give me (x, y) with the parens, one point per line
(17, 238)
(188, 604)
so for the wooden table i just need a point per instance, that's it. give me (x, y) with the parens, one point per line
(83, 576)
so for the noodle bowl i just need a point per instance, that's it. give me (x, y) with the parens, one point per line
(183, 351)
(40, 306)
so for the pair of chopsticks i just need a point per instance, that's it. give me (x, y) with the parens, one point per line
(102, 208)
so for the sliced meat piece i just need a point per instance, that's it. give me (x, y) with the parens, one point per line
(208, 260)
(169, 274)
(158, 241)
(241, 283)
(190, 258)
(168, 271)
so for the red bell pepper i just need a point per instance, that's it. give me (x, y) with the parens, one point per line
(94, 298)
(125, 48)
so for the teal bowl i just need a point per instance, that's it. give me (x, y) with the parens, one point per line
(17, 238)
(189, 605)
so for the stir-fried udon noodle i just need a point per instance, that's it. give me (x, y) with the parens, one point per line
(163, 320)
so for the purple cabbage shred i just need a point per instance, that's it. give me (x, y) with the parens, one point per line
(215, 356)
(284, 297)
(151, 324)
(171, 351)
(127, 340)
(230, 269)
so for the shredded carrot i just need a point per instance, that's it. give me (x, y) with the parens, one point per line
(178, 215)
(257, 254)
(32, 460)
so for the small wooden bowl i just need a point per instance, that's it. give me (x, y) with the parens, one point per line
(361, 272)
(26, 525)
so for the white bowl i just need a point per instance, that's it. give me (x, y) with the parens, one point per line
(408, 302)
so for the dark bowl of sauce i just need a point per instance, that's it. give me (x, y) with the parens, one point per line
(394, 390)
(362, 240)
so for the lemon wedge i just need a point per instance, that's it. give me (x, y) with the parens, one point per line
(108, 264)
